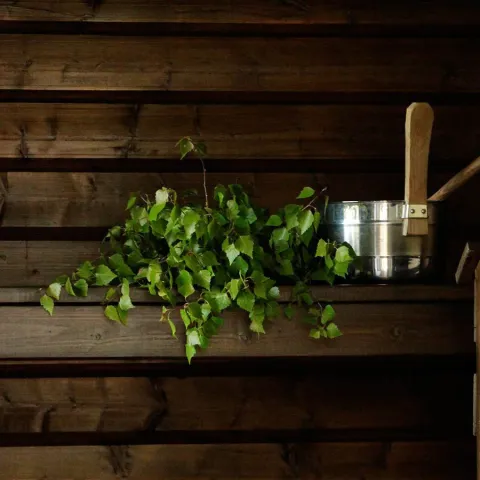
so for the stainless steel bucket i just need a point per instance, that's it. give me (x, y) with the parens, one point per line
(374, 230)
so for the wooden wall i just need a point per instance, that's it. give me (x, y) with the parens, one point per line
(93, 97)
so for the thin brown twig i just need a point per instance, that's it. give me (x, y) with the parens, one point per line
(204, 181)
(310, 203)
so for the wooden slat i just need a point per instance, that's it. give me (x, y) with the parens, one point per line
(383, 329)
(321, 401)
(324, 293)
(36, 130)
(60, 199)
(317, 12)
(57, 62)
(37, 263)
(337, 461)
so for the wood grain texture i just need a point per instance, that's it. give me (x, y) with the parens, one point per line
(87, 199)
(325, 293)
(108, 404)
(57, 62)
(30, 131)
(245, 11)
(383, 329)
(418, 131)
(329, 461)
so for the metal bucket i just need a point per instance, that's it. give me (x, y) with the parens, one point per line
(374, 230)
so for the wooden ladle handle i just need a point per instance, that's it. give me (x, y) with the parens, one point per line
(456, 182)
(418, 130)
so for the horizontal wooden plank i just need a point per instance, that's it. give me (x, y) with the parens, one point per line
(47, 131)
(36, 263)
(324, 401)
(381, 329)
(58, 62)
(339, 294)
(60, 199)
(306, 13)
(329, 461)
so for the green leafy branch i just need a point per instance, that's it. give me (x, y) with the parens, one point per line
(207, 259)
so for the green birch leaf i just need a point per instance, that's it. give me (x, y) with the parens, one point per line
(111, 292)
(232, 209)
(316, 220)
(274, 292)
(189, 352)
(85, 271)
(315, 333)
(305, 221)
(286, 267)
(195, 310)
(185, 146)
(193, 337)
(69, 288)
(54, 290)
(341, 269)
(274, 221)
(131, 202)
(62, 280)
(125, 287)
(279, 235)
(321, 248)
(185, 283)
(306, 192)
(306, 298)
(328, 314)
(328, 261)
(173, 328)
(117, 262)
(246, 300)
(230, 250)
(219, 194)
(81, 287)
(47, 303)
(125, 303)
(257, 316)
(343, 255)
(172, 220)
(153, 272)
(244, 244)
(161, 197)
(203, 279)
(209, 259)
(251, 216)
(240, 266)
(185, 317)
(104, 275)
(206, 310)
(291, 215)
(260, 290)
(234, 287)
(220, 219)
(189, 221)
(111, 313)
(218, 301)
(155, 211)
(333, 331)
